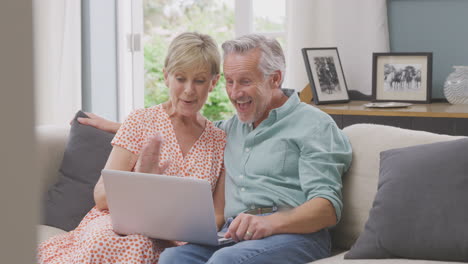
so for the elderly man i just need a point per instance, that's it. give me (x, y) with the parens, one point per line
(283, 161)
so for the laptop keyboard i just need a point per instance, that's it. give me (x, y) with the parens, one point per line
(221, 234)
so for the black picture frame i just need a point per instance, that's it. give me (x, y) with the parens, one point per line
(326, 76)
(402, 77)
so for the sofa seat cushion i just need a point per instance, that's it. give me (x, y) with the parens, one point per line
(339, 259)
(45, 232)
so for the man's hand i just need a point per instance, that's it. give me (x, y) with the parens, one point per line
(249, 227)
(99, 123)
(310, 217)
(148, 160)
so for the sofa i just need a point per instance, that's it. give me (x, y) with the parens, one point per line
(359, 183)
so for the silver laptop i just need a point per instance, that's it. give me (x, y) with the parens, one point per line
(163, 207)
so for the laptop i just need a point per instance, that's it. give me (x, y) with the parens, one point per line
(162, 207)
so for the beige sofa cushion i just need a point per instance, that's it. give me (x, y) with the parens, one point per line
(338, 259)
(51, 141)
(360, 182)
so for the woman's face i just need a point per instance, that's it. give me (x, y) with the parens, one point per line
(189, 89)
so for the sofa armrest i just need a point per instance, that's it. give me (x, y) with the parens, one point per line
(50, 142)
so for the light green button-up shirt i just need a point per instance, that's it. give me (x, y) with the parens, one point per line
(296, 154)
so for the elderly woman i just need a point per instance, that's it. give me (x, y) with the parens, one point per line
(188, 145)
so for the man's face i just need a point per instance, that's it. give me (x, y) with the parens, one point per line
(248, 89)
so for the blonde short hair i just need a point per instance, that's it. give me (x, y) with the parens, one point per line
(193, 50)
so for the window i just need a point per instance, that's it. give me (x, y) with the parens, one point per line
(267, 17)
(147, 26)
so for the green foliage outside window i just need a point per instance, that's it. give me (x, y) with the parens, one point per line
(156, 91)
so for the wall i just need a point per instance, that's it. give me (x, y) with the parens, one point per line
(438, 26)
(18, 186)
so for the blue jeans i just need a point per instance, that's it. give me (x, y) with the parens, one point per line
(282, 248)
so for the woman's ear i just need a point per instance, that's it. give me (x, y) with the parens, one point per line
(166, 77)
(214, 81)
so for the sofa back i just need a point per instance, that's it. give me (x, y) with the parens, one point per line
(50, 142)
(360, 182)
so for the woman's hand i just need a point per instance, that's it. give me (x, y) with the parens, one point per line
(122, 159)
(99, 123)
(148, 160)
(167, 243)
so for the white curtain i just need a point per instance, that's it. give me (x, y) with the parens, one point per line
(57, 43)
(358, 28)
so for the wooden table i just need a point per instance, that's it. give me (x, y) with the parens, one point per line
(442, 118)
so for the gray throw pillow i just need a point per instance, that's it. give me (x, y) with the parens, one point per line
(68, 200)
(421, 207)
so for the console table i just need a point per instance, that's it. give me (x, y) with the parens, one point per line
(441, 118)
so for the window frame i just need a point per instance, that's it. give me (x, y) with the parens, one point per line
(130, 57)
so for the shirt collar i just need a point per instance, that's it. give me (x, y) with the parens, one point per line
(286, 108)
(282, 111)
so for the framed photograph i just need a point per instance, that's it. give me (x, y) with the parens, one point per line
(402, 77)
(326, 76)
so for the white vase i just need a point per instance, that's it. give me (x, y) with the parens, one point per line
(456, 86)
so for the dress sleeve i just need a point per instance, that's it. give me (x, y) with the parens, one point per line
(325, 155)
(130, 135)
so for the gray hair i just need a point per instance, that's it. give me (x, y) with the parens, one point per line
(272, 56)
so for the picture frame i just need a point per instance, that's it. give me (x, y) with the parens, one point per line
(402, 77)
(326, 75)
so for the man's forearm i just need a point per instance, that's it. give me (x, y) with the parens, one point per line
(309, 217)
(99, 123)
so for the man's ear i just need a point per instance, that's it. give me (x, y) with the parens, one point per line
(214, 81)
(166, 77)
(276, 78)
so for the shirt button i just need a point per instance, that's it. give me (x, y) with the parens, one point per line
(252, 207)
(243, 189)
(247, 150)
(241, 176)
